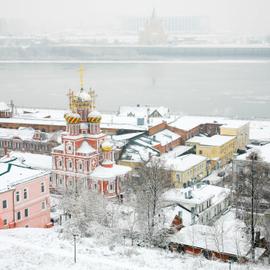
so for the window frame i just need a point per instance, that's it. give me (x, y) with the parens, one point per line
(25, 191)
(42, 187)
(43, 203)
(19, 215)
(26, 210)
(6, 204)
(17, 196)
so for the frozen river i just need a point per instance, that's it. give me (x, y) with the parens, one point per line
(239, 89)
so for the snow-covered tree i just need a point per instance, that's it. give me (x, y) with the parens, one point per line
(251, 192)
(149, 185)
(85, 209)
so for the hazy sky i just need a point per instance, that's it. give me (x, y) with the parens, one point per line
(248, 16)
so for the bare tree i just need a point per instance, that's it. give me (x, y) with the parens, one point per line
(250, 193)
(266, 224)
(152, 181)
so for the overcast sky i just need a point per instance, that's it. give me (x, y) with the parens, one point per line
(247, 16)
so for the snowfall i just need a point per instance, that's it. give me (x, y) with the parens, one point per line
(27, 249)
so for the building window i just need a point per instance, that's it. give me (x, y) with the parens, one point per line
(25, 194)
(70, 165)
(17, 196)
(59, 164)
(4, 204)
(111, 186)
(42, 187)
(5, 221)
(43, 205)
(26, 212)
(19, 215)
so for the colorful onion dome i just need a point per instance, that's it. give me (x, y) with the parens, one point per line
(107, 146)
(72, 118)
(94, 117)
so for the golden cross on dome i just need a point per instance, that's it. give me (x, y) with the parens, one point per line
(81, 75)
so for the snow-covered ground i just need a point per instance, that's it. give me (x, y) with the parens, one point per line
(28, 249)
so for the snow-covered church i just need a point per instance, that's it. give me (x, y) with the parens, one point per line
(85, 157)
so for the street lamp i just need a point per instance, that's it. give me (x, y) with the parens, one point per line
(75, 251)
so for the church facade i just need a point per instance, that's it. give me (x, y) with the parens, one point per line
(86, 157)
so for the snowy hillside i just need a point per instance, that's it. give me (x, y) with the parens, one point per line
(28, 249)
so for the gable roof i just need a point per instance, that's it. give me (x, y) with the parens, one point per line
(85, 148)
(13, 174)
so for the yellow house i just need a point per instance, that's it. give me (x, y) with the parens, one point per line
(219, 149)
(186, 168)
(239, 129)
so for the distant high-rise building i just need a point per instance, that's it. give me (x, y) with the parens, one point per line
(171, 24)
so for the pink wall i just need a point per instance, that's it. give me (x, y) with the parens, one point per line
(6, 213)
(37, 217)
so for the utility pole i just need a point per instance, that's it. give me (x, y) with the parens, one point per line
(75, 251)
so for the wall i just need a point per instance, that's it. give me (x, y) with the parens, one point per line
(197, 172)
(38, 217)
(241, 133)
(224, 152)
(6, 213)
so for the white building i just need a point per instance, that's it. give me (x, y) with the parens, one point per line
(200, 203)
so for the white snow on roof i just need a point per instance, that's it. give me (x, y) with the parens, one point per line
(86, 148)
(184, 163)
(108, 173)
(216, 140)
(36, 161)
(170, 212)
(260, 130)
(234, 123)
(211, 238)
(16, 175)
(27, 133)
(190, 122)
(126, 136)
(56, 118)
(4, 107)
(199, 194)
(165, 137)
(24, 133)
(60, 147)
(138, 153)
(263, 151)
(176, 151)
(142, 111)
